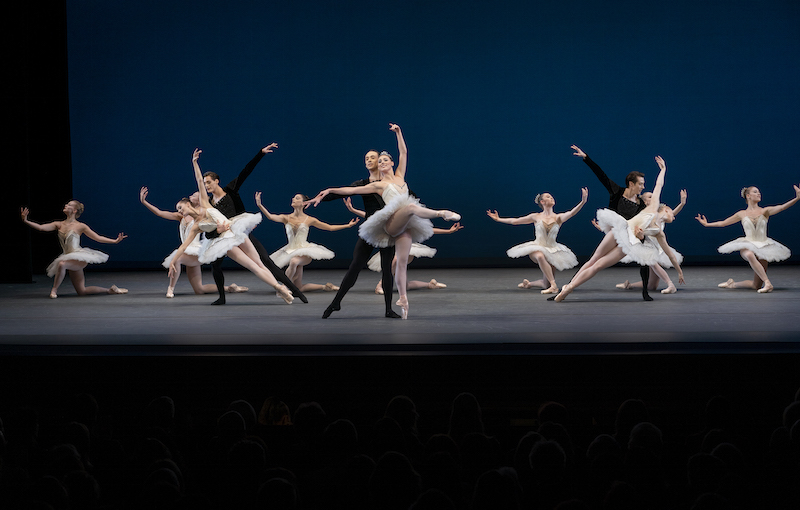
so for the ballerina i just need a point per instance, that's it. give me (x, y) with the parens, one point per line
(657, 273)
(417, 250)
(74, 258)
(755, 247)
(544, 250)
(189, 258)
(233, 240)
(298, 253)
(402, 221)
(638, 237)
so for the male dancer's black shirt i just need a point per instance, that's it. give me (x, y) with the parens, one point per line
(616, 201)
(231, 204)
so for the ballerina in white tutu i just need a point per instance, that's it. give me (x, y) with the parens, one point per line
(232, 241)
(657, 273)
(755, 247)
(544, 250)
(417, 250)
(298, 253)
(189, 257)
(402, 221)
(637, 238)
(74, 257)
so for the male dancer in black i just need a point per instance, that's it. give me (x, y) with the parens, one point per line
(363, 250)
(227, 201)
(624, 201)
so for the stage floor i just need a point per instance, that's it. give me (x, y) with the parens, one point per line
(480, 312)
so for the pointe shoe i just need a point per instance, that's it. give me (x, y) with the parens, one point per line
(53, 295)
(553, 289)
(403, 307)
(624, 285)
(433, 284)
(766, 288)
(449, 216)
(670, 289)
(727, 285)
(379, 289)
(283, 293)
(566, 290)
(234, 289)
(117, 290)
(330, 287)
(525, 284)
(170, 292)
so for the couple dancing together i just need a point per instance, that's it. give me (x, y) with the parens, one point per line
(394, 220)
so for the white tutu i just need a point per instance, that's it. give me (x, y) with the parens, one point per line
(756, 240)
(70, 245)
(240, 226)
(373, 231)
(643, 253)
(298, 246)
(192, 250)
(417, 250)
(556, 254)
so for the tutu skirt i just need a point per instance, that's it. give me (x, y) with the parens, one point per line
(417, 250)
(315, 251)
(240, 227)
(643, 253)
(558, 256)
(374, 233)
(87, 255)
(769, 250)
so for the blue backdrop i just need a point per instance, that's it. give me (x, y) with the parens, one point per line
(490, 96)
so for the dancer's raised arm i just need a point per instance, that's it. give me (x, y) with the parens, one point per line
(91, 234)
(44, 227)
(372, 187)
(358, 212)
(656, 200)
(167, 215)
(775, 209)
(678, 208)
(522, 220)
(277, 218)
(402, 159)
(569, 214)
(198, 176)
(736, 218)
(313, 222)
(662, 241)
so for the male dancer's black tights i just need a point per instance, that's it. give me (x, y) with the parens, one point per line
(219, 277)
(361, 254)
(644, 271)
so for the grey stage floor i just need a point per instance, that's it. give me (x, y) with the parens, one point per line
(480, 312)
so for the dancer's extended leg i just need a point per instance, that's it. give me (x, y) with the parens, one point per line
(273, 268)
(586, 273)
(399, 220)
(402, 249)
(79, 282)
(547, 272)
(238, 255)
(361, 253)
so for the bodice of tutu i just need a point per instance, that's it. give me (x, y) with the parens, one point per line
(70, 242)
(207, 225)
(296, 235)
(546, 233)
(391, 191)
(755, 229)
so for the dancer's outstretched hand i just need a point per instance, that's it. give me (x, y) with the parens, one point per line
(596, 224)
(143, 194)
(269, 148)
(493, 215)
(702, 219)
(661, 163)
(196, 154)
(797, 191)
(394, 127)
(684, 195)
(119, 238)
(578, 152)
(584, 195)
(455, 227)
(258, 198)
(353, 222)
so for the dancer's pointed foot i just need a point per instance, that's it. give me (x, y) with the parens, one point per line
(170, 292)
(379, 289)
(53, 294)
(391, 314)
(220, 301)
(330, 287)
(283, 293)
(299, 295)
(566, 290)
(646, 296)
(449, 215)
(117, 290)
(525, 284)
(433, 284)
(730, 284)
(766, 288)
(624, 285)
(328, 311)
(552, 289)
(403, 304)
(670, 289)
(234, 289)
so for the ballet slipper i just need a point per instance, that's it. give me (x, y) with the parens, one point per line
(624, 285)
(566, 290)
(767, 288)
(330, 287)
(379, 289)
(449, 216)
(525, 284)
(553, 289)
(283, 293)
(433, 284)
(53, 294)
(403, 304)
(730, 284)
(170, 292)
(235, 289)
(670, 289)
(117, 290)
